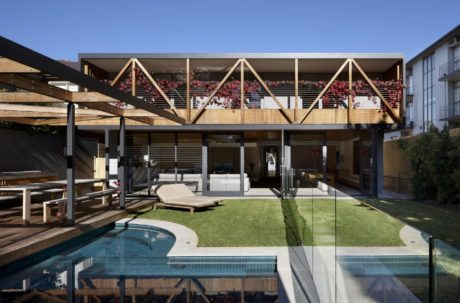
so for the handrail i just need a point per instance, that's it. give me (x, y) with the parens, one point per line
(449, 67)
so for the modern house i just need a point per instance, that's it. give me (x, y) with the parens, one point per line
(292, 112)
(187, 118)
(433, 85)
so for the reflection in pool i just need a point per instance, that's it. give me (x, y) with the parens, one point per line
(130, 265)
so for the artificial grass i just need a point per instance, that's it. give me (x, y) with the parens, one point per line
(441, 223)
(270, 222)
(346, 222)
(236, 223)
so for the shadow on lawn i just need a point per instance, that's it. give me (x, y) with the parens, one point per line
(298, 236)
(428, 218)
(294, 223)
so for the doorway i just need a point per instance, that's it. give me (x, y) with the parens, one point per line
(271, 162)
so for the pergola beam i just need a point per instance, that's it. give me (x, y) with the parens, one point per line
(20, 120)
(40, 62)
(30, 85)
(27, 114)
(10, 66)
(62, 121)
(49, 109)
(29, 97)
(91, 97)
(56, 92)
(26, 97)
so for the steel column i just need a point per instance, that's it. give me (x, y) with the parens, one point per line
(377, 162)
(324, 158)
(204, 163)
(107, 157)
(149, 166)
(288, 178)
(242, 164)
(175, 158)
(282, 168)
(122, 163)
(70, 152)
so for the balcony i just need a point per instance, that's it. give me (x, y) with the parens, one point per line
(260, 90)
(450, 71)
(450, 112)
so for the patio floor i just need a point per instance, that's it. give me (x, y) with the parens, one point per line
(18, 241)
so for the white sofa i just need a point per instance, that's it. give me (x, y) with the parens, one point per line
(227, 182)
(193, 181)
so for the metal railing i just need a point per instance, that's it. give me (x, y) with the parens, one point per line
(450, 67)
(450, 111)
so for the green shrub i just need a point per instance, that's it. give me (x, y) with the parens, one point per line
(435, 158)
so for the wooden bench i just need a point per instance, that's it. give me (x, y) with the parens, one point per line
(60, 203)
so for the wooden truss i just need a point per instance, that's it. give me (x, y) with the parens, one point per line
(352, 62)
(242, 63)
(133, 63)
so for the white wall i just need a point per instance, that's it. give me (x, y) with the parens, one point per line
(439, 89)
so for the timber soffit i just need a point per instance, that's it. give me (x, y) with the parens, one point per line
(241, 55)
(23, 55)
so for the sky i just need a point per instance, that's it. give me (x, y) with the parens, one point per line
(62, 29)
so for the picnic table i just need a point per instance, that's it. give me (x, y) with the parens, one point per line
(26, 190)
(25, 177)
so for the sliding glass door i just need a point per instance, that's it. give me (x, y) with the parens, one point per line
(225, 162)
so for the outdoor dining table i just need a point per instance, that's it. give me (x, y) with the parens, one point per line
(27, 189)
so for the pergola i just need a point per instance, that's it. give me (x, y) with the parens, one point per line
(26, 75)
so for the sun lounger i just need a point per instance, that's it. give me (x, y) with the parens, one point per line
(180, 196)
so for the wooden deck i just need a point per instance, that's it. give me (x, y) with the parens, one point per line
(18, 241)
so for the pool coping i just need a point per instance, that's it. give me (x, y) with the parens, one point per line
(186, 245)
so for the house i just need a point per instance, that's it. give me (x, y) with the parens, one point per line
(291, 117)
(298, 118)
(433, 85)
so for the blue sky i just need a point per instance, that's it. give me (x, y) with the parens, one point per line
(62, 29)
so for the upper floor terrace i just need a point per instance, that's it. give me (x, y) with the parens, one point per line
(450, 71)
(259, 88)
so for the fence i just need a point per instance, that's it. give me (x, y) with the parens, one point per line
(396, 168)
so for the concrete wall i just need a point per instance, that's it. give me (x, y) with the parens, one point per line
(20, 150)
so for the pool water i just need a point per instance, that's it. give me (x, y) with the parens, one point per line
(387, 278)
(130, 264)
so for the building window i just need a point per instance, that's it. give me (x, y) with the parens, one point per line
(410, 85)
(429, 115)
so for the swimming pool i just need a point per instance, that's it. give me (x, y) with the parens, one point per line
(131, 262)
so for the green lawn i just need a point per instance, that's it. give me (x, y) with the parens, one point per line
(274, 223)
(441, 223)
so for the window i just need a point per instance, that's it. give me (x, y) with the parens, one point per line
(429, 115)
(410, 85)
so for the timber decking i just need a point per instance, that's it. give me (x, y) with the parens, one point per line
(18, 241)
